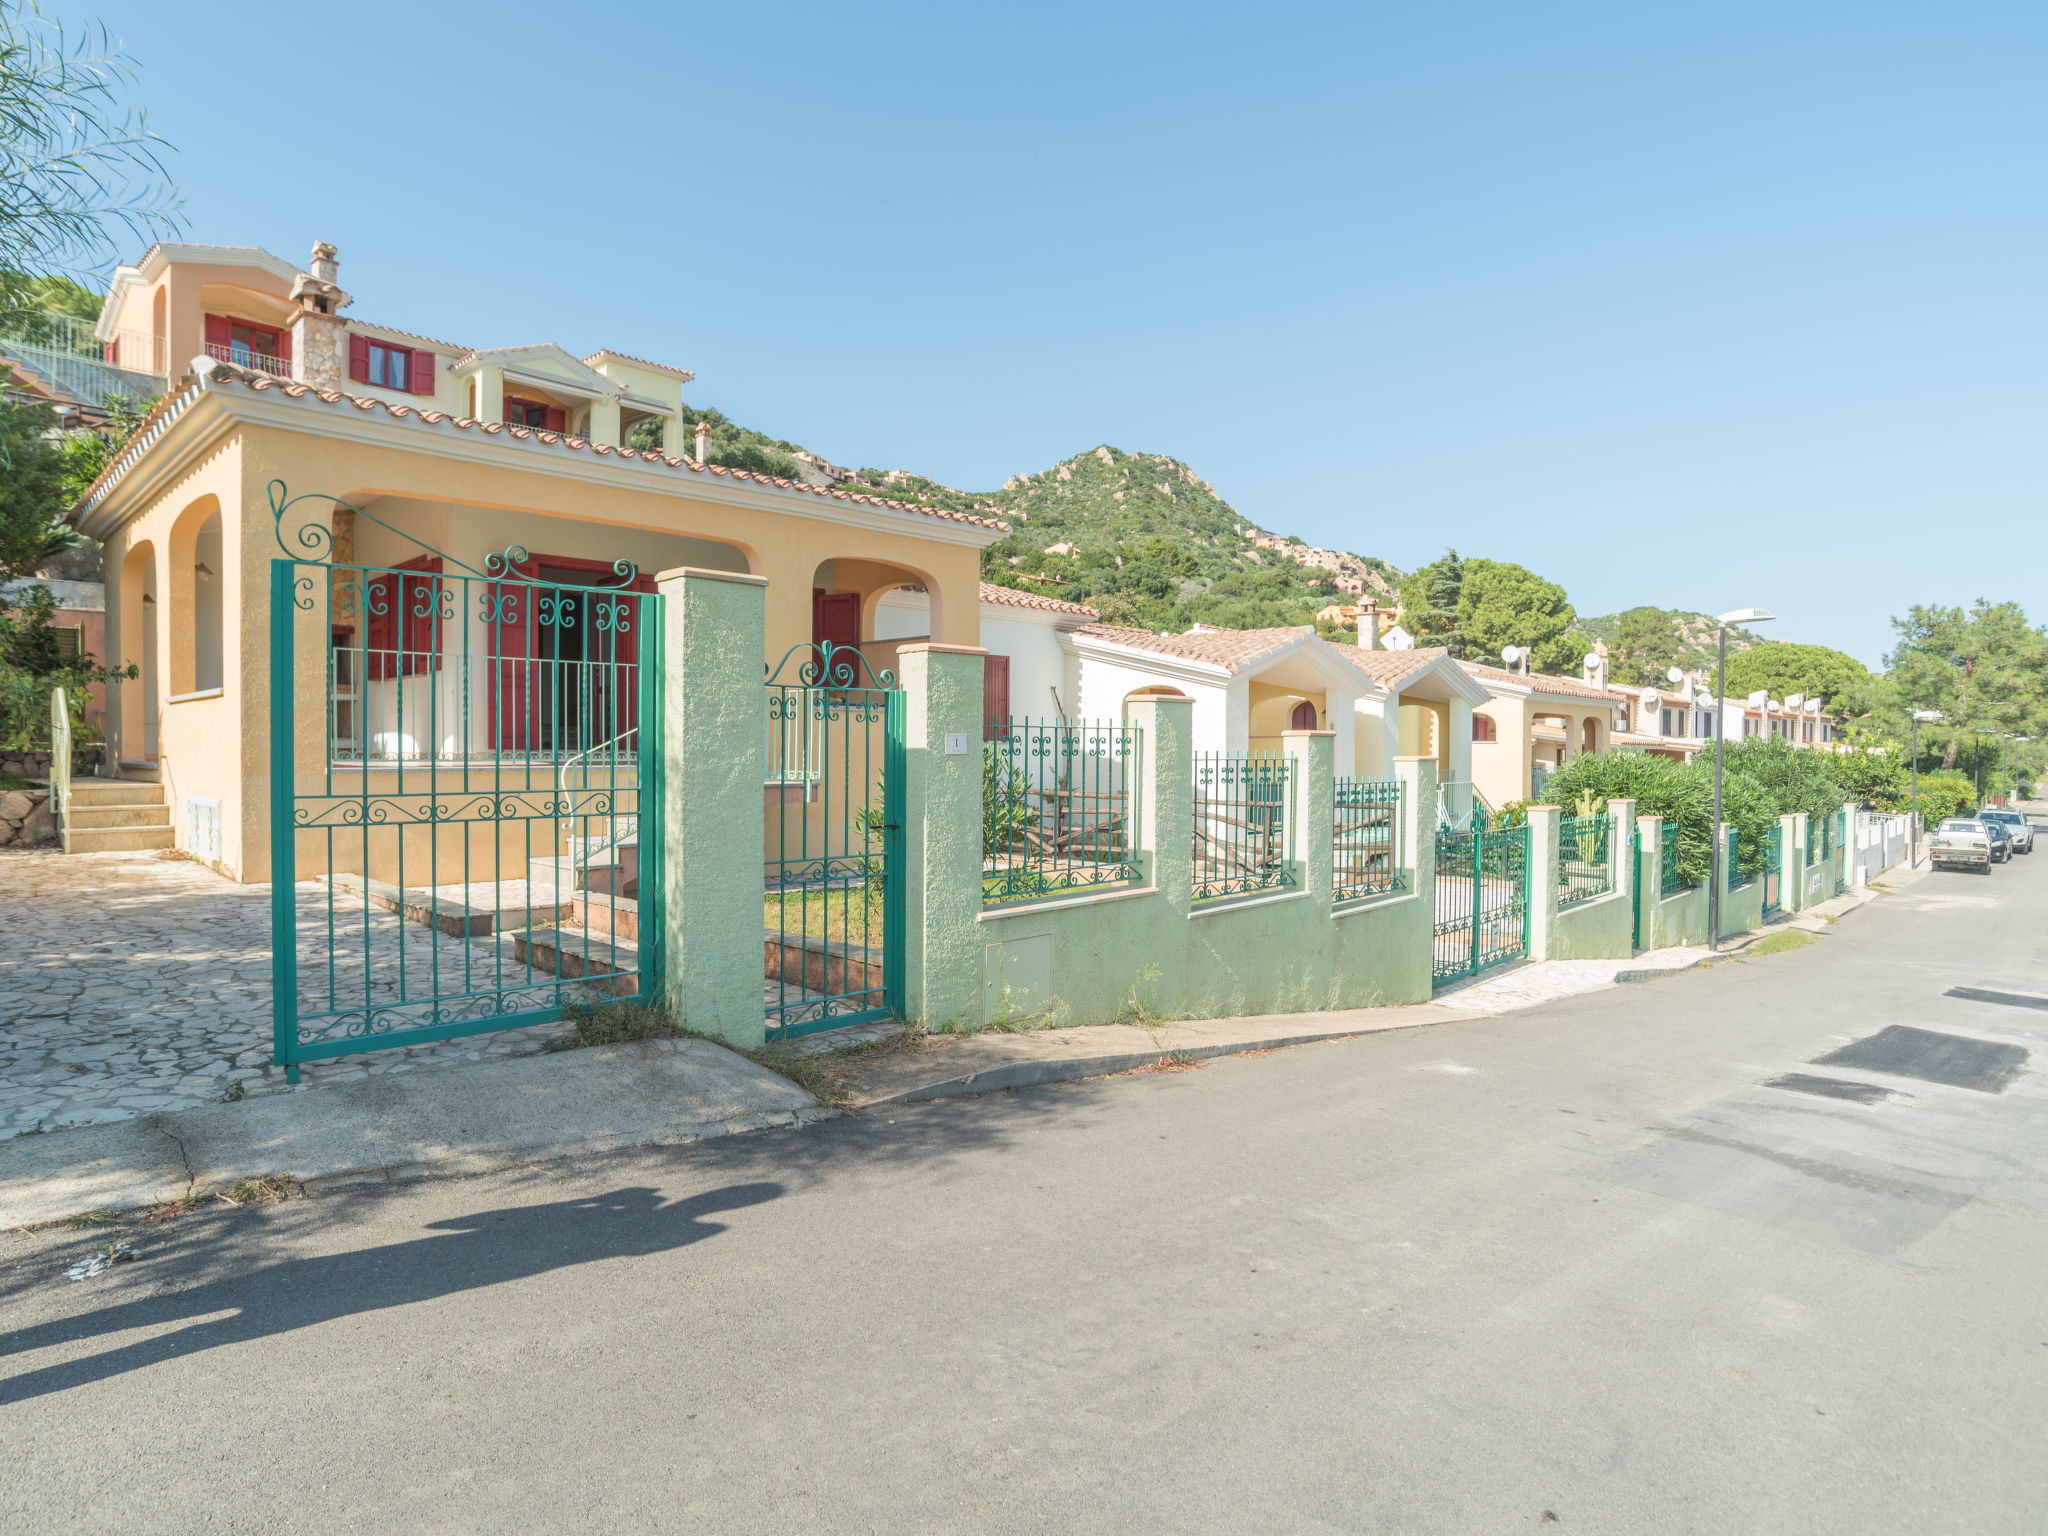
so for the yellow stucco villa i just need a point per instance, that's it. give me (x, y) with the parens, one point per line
(390, 445)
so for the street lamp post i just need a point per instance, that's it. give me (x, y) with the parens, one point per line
(1714, 876)
(1914, 829)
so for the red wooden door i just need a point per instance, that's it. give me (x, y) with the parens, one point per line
(995, 694)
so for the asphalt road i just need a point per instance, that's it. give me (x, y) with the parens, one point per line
(1575, 1267)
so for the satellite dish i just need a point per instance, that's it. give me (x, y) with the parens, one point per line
(1590, 659)
(1674, 674)
(1508, 653)
(1649, 697)
(1758, 699)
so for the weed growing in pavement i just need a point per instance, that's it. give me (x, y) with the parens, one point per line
(235, 1092)
(92, 1219)
(619, 1024)
(1782, 943)
(269, 1189)
(34, 1130)
(170, 1210)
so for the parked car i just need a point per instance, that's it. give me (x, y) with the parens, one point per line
(2017, 827)
(2001, 841)
(1962, 843)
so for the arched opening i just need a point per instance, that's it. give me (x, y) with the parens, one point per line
(875, 607)
(1484, 729)
(1303, 718)
(1589, 735)
(137, 715)
(195, 606)
(1150, 691)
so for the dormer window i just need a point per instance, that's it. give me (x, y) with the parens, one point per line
(534, 413)
(249, 345)
(387, 365)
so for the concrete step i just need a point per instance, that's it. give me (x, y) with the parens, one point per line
(116, 839)
(94, 818)
(97, 792)
(577, 952)
(141, 771)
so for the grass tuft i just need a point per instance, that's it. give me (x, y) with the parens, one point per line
(620, 1023)
(1782, 943)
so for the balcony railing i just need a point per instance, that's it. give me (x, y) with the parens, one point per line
(248, 357)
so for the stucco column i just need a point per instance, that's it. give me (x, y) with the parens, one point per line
(1458, 742)
(1342, 719)
(1543, 855)
(489, 400)
(1650, 880)
(1792, 880)
(1724, 879)
(942, 834)
(1418, 824)
(713, 710)
(1622, 813)
(604, 422)
(1314, 834)
(1164, 786)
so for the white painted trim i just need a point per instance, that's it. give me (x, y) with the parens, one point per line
(1374, 903)
(1227, 904)
(162, 254)
(1064, 904)
(204, 693)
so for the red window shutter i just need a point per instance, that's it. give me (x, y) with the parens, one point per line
(380, 630)
(423, 373)
(515, 691)
(284, 348)
(359, 358)
(995, 693)
(839, 618)
(555, 421)
(419, 616)
(217, 334)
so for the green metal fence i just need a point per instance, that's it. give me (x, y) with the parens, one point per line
(1482, 900)
(1058, 808)
(1669, 879)
(1584, 869)
(461, 835)
(1243, 807)
(832, 918)
(1370, 858)
(1838, 845)
(1734, 858)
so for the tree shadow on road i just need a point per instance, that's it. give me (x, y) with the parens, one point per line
(485, 1249)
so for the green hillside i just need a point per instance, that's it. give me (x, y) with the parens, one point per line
(1661, 637)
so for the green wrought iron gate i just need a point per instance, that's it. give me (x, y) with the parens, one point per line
(1482, 900)
(1774, 870)
(465, 782)
(833, 914)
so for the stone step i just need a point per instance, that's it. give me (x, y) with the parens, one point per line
(578, 952)
(598, 912)
(141, 770)
(94, 818)
(97, 792)
(116, 839)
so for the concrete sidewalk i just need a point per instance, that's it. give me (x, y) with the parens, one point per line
(483, 1116)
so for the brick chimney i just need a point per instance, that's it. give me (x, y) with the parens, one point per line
(703, 440)
(319, 335)
(1369, 626)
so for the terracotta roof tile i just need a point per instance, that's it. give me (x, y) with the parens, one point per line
(447, 347)
(1544, 682)
(250, 378)
(1233, 649)
(1389, 667)
(1013, 597)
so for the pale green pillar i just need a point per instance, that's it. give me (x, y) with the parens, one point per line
(942, 981)
(1791, 864)
(1165, 784)
(1418, 824)
(1543, 865)
(714, 633)
(1314, 851)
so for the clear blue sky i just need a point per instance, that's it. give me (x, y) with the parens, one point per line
(1697, 305)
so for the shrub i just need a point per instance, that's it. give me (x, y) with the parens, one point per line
(1659, 786)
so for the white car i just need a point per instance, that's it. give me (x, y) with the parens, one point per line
(2017, 827)
(1961, 843)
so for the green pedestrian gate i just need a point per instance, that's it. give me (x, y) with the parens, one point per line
(833, 914)
(465, 782)
(1482, 900)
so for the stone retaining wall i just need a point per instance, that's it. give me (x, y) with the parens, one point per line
(25, 817)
